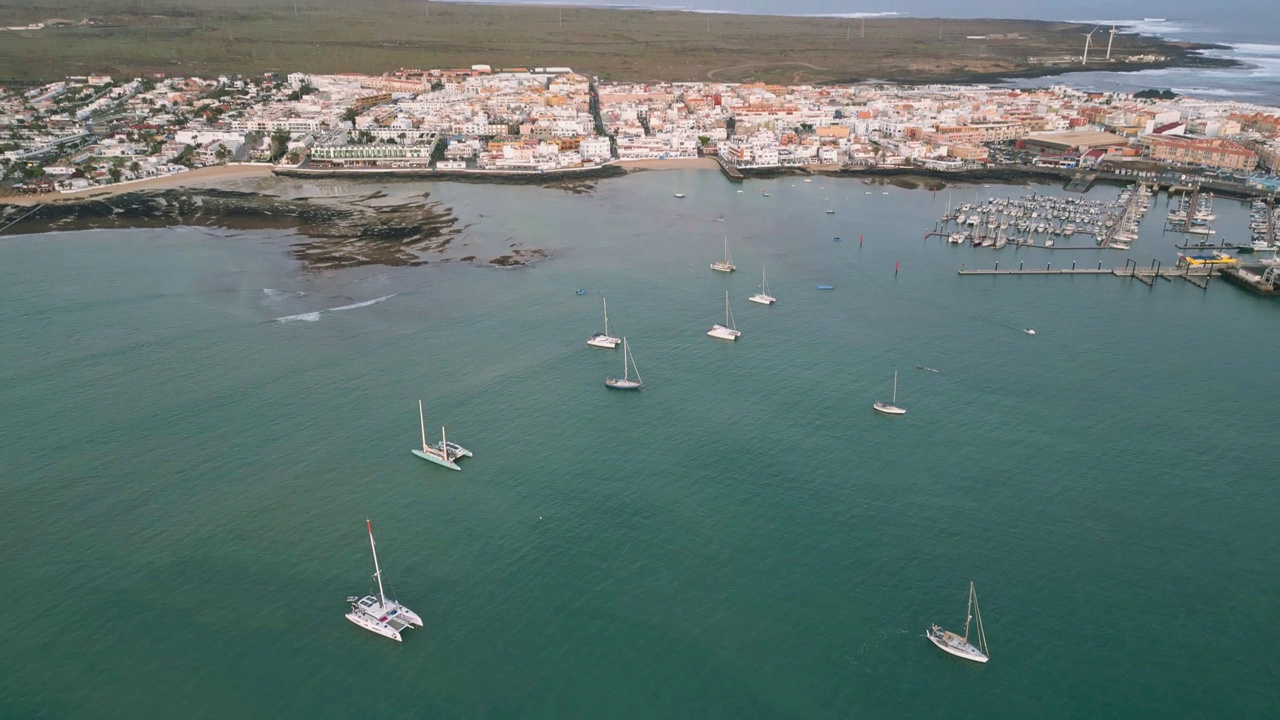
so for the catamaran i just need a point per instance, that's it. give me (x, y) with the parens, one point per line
(442, 453)
(628, 362)
(604, 339)
(891, 408)
(725, 265)
(959, 645)
(763, 297)
(728, 331)
(378, 614)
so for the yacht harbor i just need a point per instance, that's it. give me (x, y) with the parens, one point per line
(1043, 221)
(1047, 221)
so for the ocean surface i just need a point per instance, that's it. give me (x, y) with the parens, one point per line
(195, 430)
(1247, 26)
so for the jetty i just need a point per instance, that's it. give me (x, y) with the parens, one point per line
(731, 172)
(1081, 182)
(1196, 275)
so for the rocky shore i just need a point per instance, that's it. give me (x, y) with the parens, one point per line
(342, 232)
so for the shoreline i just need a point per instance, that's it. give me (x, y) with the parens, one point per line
(349, 231)
(177, 181)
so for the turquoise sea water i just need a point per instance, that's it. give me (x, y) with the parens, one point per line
(186, 477)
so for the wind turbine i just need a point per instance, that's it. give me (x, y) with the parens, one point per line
(1087, 38)
(1111, 40)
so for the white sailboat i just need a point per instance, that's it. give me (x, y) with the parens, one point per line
(959, 645)
(725, 265)
(442, 453)
(763, 297)
(604, 339)
(628, 362)
(728, 331)
(376, 613)
(891, 408)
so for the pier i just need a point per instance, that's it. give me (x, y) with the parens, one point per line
(733, 173)
(1198, 276)
(1259, 281)
(1081, 182)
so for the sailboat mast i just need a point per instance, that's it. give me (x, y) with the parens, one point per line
(895, 387)
(968, 613)
(606, 315)
(422, 425)
(625, 365)
(377, 571)
(444, 445)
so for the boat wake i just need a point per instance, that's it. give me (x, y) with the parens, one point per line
(315, 315)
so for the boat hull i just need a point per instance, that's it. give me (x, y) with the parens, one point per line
(374, 626)
(888, 409)
(964, 651)
(620, 384)
(722, 267)
(436, 459)
(721, 332)
(763, 299)
(604, 341)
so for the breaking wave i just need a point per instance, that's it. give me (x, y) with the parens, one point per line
(304, 317)
(315, 316)
(366, 303)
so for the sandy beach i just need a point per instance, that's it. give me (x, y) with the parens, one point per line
(672, 164)
(201, 177)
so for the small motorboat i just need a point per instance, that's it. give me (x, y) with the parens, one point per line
(835, 239)
(825, 287)
(581, 292)
(1029, 331)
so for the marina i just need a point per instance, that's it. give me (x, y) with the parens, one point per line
(1044, 221)
(1114, 225)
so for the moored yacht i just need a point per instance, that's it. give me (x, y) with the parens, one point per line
(376, 613)
(959, 645)
(625, 382)
(725, 265)
(604, 339)
(728, 331)
(763, 297)
(443, 453)
(891, 408)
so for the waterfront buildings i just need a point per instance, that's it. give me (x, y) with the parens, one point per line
(90, 130)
